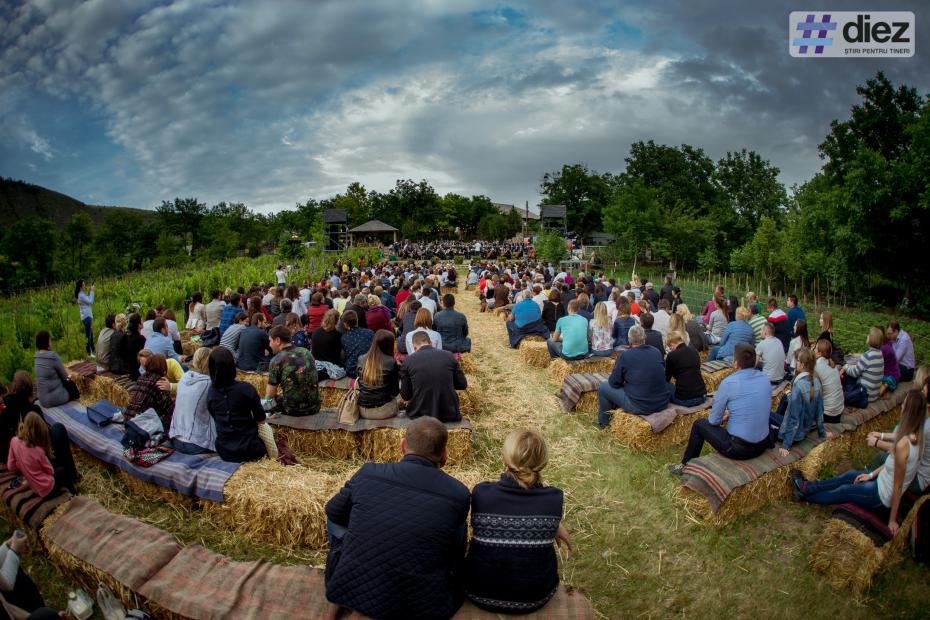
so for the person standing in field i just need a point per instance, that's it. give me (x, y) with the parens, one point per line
(84, 302)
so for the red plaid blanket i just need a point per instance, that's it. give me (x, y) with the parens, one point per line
(25, 504)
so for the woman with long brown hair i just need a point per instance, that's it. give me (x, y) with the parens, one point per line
(423, 323)
(379, 379)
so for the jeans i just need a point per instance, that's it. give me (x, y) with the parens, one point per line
(683, 402)
(604, 353)
(843, 489)
(335, 532)
(609, 398)
(185, 447)
(712, 355)
(89, 333)
(721, 440)
(855, 396)
(907, 374)
(555, 350)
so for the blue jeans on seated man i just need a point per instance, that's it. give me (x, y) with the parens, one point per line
(609, 398)
(335, 532)
(712, 355)
(854, 395)
(843, 489)
(555, 350)
(605, 353)
(683, 402)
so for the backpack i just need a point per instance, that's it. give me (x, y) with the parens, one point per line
(920, 534)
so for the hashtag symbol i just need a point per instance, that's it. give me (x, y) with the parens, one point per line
(808, 26)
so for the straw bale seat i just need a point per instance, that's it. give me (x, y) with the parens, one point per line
(856, 543)
(471, 287)
(321, 436)
(23, 507)
(579, 391)
(452, 290)
(95, 387)
(468, 363)
(561, 368)
(146, 567)
(534, 351)
(715, 372)
(720, 489)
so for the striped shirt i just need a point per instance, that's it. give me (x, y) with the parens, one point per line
(870, 369)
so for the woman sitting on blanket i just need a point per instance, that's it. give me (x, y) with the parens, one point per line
(884, 486)
(55, 386)
(800, 411)
(379, 379)
(152, 390)
(192, 430)
(601, 344)
(236, 411)
(511, 565)
(31, 454)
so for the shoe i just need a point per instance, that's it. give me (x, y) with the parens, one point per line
(797, 483)
(676, 469)
(93, 356)
(599, 427)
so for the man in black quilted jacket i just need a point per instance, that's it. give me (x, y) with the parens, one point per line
(397, 533)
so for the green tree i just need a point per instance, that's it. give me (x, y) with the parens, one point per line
(765, 254)
(29, 245)
(751, 187)
(79, 235)
(183, 217)
(551, 247)
(584, 193)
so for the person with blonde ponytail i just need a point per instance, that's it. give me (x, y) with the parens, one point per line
(511, 565)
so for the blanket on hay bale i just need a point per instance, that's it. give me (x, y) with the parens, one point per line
(561, 368)
(103, 386)
(146, 567)
(721, 489)
(23, 505)
(202, 476)
(322, 435)
(856, 543)
(669, 427)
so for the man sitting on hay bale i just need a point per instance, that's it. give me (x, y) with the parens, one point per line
(399, 518)
(294, 370)
(570, 339)
(637, 384)
(743, 401)
(429, 380)
(525, 320)
(452, 327)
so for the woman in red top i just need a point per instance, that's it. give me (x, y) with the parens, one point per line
(378, 316)
(315, 312)
(31, 454)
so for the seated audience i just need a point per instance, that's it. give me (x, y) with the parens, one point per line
(771, 355)
(424, 536)
(599, 328)
(134, 343)
(379, 381)
(861, 382)
(429, 379)
(378, 316)
(756, 321)
(779, 320)
(717, 322)
(214, 309)
(884, 441)
(452, 326)
(660, 318)
(636, 384)
(511, 565)
(795, 313)
(17, 402)
(570, 338)
(233, 333)
(801, 410)
(552, 309)
(406, 317)
(676, 323)
(254, 347)
(103, 342)
(31, 455)
(326, 340)
(230, 311)
(192, 429)
(236, 411)
(743, 402)
(800, 341)
(423, 323)
(316, 312)
(355, 341)
(54, 386)
(622, 324)
(159, 341)
(694, 327)
(890, 360)
(292, 377)
(883, 487)
(196, 314)
(173, 374)
(20, 598)
(152, 390)
(903, 350)
(826, 326)
(299, 335)
(830, 380)
(683, 364)
(734, 333)
(653, 337)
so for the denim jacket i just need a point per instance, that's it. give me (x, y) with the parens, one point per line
(803, 413)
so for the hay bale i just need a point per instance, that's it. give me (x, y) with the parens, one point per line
(587, 402)
(712, 379)
(635, 433)
(106, 388)
(283, 506)
(471, 287)
(470, 397)
(155, 492)
(469, 366)
(503, 311)
(382, 445)
(847, 557)
(560, 368)
(534, 353)
(330, 397)
(188, 348)
(336, 444)
(703, 354)
(186, 334)
(258, 380)
(452, 290)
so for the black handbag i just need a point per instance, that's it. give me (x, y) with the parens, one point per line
(211, 337)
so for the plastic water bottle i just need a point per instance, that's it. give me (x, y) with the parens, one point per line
(80, 605)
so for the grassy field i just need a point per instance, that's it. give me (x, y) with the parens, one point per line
(638, 553)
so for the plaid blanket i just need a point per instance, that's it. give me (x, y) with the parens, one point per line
(577, 384)
(338, 384)
(714, 366)
(715, 476)
(129, 550)
(197, 475)
(25, 504)
(328, 419)
(84, 369)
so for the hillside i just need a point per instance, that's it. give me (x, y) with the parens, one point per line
(19, 199)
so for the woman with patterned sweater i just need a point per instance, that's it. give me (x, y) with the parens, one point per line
(511, 566)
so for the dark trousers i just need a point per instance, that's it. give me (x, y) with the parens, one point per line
(63, 460)
(89, 333)
(722, 441)
(24, 594)
(907, 374)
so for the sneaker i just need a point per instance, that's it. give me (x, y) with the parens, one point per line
(676, 469)
(797, 483)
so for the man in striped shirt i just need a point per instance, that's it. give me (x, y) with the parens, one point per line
(756, 321)
(861, 382)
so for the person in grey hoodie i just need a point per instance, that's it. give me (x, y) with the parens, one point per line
(50, 372)
(192, 429)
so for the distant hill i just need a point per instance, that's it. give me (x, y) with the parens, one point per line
(19, 199)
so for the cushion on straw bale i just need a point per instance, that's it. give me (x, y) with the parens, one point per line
(202, 476)
(561, 368)
(28, 508)
(578, 385)
(721, 489)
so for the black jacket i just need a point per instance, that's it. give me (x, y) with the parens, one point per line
(118, 342)
(654, 339)
(236, 411)
(15, 408)
(429, 379)
(326, 346)
(402, 555)
(372, 397)
(551, 313)
(684, 364)
(511, 565)
(254, 349)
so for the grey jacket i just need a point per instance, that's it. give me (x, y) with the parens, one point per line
(453, 328)
(50, 379)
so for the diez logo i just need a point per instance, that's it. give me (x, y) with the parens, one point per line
(850, 34)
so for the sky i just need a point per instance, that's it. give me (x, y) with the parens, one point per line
(131, 102)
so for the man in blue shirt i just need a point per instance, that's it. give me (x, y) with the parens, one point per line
(637, 383)
(229, 313)
(743, 401)
(570, 340)
(525, 320)
(159, 342)
(795, 312)
(734, 333)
